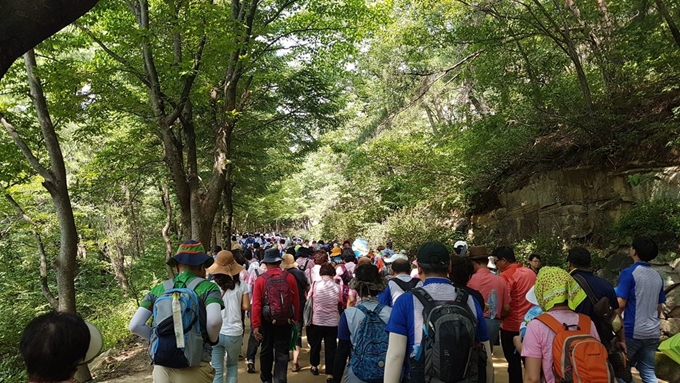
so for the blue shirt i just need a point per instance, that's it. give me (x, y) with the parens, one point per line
(642, 288)
(407, 313)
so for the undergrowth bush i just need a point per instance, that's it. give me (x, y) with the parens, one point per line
(658, 220)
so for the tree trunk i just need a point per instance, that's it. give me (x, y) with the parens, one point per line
(661, 7)
(28, 22)
(55, 181)
(166, 228)
(118, 264)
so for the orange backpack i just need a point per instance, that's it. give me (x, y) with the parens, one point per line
(577, 355)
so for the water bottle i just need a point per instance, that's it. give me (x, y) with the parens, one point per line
(493, 304)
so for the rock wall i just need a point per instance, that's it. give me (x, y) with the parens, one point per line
(579, 203)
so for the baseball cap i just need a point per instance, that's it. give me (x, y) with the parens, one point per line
(433, 253)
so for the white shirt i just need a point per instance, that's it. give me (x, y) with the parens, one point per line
(231, 315)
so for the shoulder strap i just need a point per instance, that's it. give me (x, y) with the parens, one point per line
(362, 309)
(551, 322)
(586, 287)
(168, 284)
(424, 298)
(584, 323)
(194, 283)
(378, 308)
(306, 263)
(405, 285)
(344, 269)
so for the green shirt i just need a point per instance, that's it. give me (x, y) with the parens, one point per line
(207, 292)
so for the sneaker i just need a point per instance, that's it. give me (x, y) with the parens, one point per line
(251, 368)
(314, 370)
(296, 367)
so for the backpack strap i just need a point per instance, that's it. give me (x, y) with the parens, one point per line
(584, 323)
(425, 299)
(194, 283)
(362, 309)
(551, 322)
(586, 287)
(168, 284)
(403, 285)
(344, 269)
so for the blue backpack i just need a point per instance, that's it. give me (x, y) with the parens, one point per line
(370, 350)
(176, 338)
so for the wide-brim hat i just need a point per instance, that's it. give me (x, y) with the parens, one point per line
(395, 256)
(271, 256)
(225, 264)
(96, 343)
(531, 296)
(191, 253)
(367, 276)
(288, 262)
(478, 252)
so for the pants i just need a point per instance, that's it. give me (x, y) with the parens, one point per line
(275, 343)
(642, 353)
(298, 341)
(329, 335)
(492, 327)
(512, 356)
(201, 374)
(231, 345)
(253, 345)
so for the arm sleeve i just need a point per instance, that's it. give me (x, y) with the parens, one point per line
(213, 313)
(626, 284)
(256, 308)
(662, 294)
(138, 323)
(341, 355)
(531, 345)
(385, 296)
(343, 328)
(394, 360)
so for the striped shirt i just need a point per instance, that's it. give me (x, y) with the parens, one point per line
(326, 293)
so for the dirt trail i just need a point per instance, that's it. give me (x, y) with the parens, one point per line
(132, 366)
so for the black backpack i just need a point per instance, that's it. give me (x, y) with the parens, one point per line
(449, 351)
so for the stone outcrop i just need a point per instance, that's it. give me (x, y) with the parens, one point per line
(575, 203)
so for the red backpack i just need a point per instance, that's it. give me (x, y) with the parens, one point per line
(277, 304)
(577, 355)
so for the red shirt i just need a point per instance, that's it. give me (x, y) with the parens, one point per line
(485, 281)
(258, 293)
(519, 279)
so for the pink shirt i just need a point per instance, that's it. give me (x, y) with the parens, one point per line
(539, 339)
(485, 282)
(326, 294)
(519, 279)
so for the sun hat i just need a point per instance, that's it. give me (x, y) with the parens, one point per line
(225, 264)
(531, 296)
(366, 276)
(433, 253)
(288, 262)
(271, 256)
(96, 343)
(461, 247)
(395, 256)
(478, 252)
(191, 253)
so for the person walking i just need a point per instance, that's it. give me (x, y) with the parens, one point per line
(289, 264)
(190, 263)
(236, 300)
(276, 307)
(407, 323)
(368, 283)
(519, 280)
(325, 317)
(640, 295)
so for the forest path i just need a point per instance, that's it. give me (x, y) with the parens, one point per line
(132, 366)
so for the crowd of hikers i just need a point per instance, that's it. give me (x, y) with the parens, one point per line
(383, 316)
